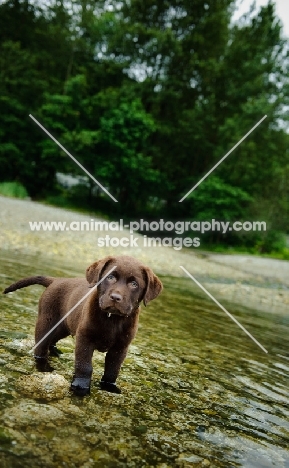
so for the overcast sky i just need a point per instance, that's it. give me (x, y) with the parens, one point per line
(282, 9)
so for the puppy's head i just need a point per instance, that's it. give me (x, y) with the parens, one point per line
(126, 286)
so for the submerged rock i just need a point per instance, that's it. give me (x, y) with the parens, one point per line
(23, 344)
(27, 413)
(43, 386)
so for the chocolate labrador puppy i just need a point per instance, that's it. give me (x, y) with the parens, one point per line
(106, 320)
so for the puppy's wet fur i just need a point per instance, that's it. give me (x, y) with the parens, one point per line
(106, 320)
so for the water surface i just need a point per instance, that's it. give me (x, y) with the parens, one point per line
(196, 390)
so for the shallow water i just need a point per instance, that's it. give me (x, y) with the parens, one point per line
(196, 390)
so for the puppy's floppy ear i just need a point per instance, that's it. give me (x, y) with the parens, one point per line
(94, 271)
(153, 287)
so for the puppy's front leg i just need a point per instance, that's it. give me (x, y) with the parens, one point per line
(113, 361)
(83, 366)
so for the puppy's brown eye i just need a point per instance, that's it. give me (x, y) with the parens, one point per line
(110, 278)
(134, 284)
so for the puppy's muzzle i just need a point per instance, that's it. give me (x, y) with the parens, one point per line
(114, 304)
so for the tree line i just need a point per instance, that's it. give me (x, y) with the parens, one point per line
(148, 96)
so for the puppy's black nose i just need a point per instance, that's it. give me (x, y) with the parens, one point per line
(116, 297)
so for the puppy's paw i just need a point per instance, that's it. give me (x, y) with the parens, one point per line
(42, 365)
(80, 386)
(109, 387)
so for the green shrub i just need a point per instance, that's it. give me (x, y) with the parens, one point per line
(13, 189)
(215, 199)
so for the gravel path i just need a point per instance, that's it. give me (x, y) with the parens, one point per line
(245, 280)
(269, 268)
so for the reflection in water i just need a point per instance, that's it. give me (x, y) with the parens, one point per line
(196, 390)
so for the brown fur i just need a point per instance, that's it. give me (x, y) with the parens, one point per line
(106, 320)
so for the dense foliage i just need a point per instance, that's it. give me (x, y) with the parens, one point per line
(148, 96)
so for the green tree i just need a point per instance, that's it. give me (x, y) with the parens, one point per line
(107, 133)
(174, 49)
(206, 83)
(33, 46)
